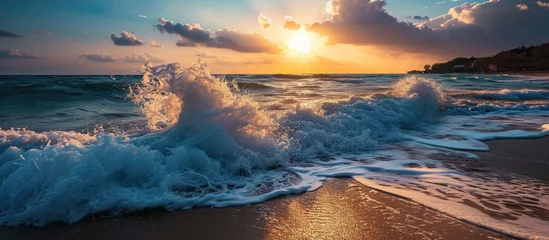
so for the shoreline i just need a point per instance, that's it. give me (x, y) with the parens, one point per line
(341, 209)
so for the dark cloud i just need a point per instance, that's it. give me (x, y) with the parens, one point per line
(15, 54)
(8, 34)
(106, 58)
(126, 39)
(472, 28)
(291, 25)
(264, 21)
(242, 42)
(100, 57)
(191, 32)
(193, 35)
(418, 18)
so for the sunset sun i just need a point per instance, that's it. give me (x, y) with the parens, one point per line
(300, 43)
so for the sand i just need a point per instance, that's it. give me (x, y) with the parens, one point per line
(529, 157)
(341, 209)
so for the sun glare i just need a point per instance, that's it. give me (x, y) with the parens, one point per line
(300, 42)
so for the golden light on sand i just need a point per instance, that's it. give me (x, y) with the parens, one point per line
(300, 42)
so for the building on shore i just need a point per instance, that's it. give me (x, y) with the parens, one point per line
(459, 68)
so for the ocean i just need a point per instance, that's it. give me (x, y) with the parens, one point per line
(179, 138)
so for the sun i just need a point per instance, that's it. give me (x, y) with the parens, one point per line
(300, 43)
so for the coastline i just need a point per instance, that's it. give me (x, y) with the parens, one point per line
(341, 209)
(518, 73)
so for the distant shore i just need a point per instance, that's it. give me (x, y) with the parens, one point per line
(520, 73)
(341, 209)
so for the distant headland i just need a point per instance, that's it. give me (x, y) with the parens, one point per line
(533, 59)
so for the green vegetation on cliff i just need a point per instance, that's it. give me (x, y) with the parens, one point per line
(533, 58)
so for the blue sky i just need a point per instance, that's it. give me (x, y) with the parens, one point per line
(100, 17)
(84, 26)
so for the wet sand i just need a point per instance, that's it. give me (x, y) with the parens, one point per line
(341, 209)
(529, 157)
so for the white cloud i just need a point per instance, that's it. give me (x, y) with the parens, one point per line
(522, 7)
(543, 4)
(156, 45)
(264, 21)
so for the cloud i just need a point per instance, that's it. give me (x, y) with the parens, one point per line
(291, 25)
(206, 55)
(126, 39)
(109, 58)
(193, 35)
(154, 44)
(43, 32)
(143, 16)
(418, 18)
(191, 32)
(264, 21)
(8, 34)
(468, 29)
(543, 4)
(522, 7)
(242, 42)
(16, 54)
(100, 57)
(142, 58)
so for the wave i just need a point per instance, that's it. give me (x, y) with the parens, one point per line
(506, 94)
(253, 86)
(209, 145)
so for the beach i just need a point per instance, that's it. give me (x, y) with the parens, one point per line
(341, 209)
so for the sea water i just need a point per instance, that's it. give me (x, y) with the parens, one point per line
(178, 138)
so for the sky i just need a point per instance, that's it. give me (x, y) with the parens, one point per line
(253, 36)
